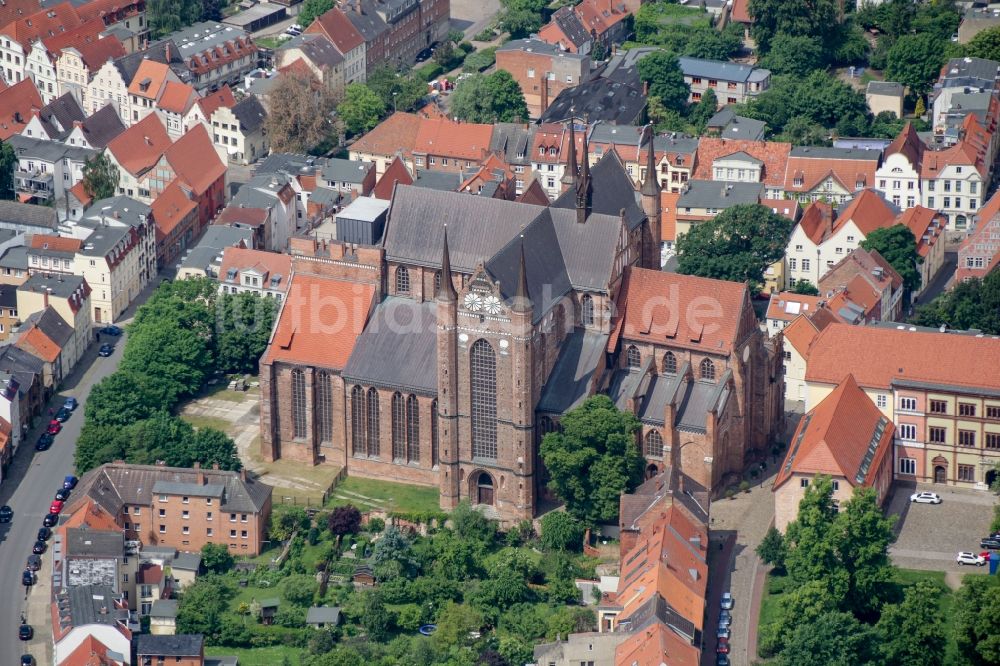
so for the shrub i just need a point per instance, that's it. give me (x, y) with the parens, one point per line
(561, 531)
(467, 47)
(478, 61)
(430, 71)
(485, 35)
(745, 486)
(375, 526)
(344, 520)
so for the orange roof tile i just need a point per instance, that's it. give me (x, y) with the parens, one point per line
(773, 154)
(741, 11)
(600, 15)
(90, 514)
(270, 264)
(170, 208)
(668, 215)
(805, 173)
(177, 97)
(38, 344)
(909, 145)
(653, 304)
(862, 262)
(861, 294)
(80, 192)
(139, 148)
(57, 243)
(555, 135)
(817, 221)
(655, 645)
(212, 101)
(44, 23)
(440, 136)
(800, 334)
(90, 652)
(149, 79)
(320, 321)
(335, 25)
(17, 104)
(835, 436)
(787, 207)
(81, 34)
(786, 305)
(397, 133)
(868, 210)
(962, 153)
(927, 226)
(879, 357)
(95, 53)
(195, 161)
(297, 67)
(12, 10)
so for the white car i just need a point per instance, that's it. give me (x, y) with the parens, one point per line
(727, 601)
(925, 498)
(966, 557)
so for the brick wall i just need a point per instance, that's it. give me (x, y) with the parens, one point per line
(529, 69)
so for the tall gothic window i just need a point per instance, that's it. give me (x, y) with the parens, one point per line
(707, 369)
(371, 425)
(654, 444)
(412, 429)
(632, 357)
(587, 307)
(398, 427)
(324, 406)
(669, 364)
(434, 433)
(437, 282)
(299, 402)
(358, 421)
(483, 371)
(402, 280)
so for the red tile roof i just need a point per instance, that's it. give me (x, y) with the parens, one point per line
(44, 23)
(859, 293)
(140, 147)
(800, 334)
(741, 11)
(836, 436)
(149, 574)
(877, 271)
(654, 306)
(338, 29)
(924, 222)
(555, 135)
(787, 207)
(817, 221)
(465, 141)
(17, 104)
(668, 215)
(212, 101)
(95, 53)
(270, 264)
(170, 208)
(877, 357)
(90, 652)
(805, 173)
(320, 321)
(38, 344)
(149, 79)
(909, 145)
(177, 97)
(195, 161)
(601, 15)
(56, 243)
(396, 172)
(868, 210)
(963, 153)
(397, 133)
(655, 645)
(786, 305)
(773, 154)
(83, 33)
(12, 10)
(80, 192)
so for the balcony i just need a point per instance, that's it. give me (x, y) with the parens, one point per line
(34, 185)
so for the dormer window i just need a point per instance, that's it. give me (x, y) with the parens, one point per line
(552, 150)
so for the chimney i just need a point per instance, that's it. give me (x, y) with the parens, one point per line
(243, 474)
(45, 298)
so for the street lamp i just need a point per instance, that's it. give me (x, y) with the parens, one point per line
(394, 93)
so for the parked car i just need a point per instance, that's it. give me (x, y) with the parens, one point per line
(34, 562)
(44, 534)
(722, 660)
(25, 632)
(106, 350)
(111, 330)
(723, 632)
(44, 442)
(56, 507)
(62, 494)
(50, 520)
(54, 427)
(27, 660)
(966, 557)
(63, 415)
(424, 55)
(27, 578)
(39, 547)
(727, 601)
(6, 514)
(69, 482)
(990, 543)
(725, 618)
(71, 404)
(723, 646)
(925, 498)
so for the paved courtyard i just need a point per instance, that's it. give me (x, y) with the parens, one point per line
(930, 535)
(471, 16)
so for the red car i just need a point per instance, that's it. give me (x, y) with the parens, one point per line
(56, 507)
(54, 427)
(723, 646)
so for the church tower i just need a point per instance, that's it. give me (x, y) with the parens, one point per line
(584, 189)
(447, 382)
(523, 390)
(651, 206)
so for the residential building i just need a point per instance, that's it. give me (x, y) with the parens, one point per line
(607, 22)
(975, 20)
(98, 557)
(8, 310)
(928, 228)
(163, 617)
(442, 144)
(214, 54)
(77, 63)
(135, 152)
(97, 129)
(182, 649)
(542, 70)
(554, 146)
(885, 96)
(181, 507)
(256, 271)
(960, 75)
(315, 55)
(979, 252)
(17, 37)
(351, 178)
(46, 170)
(40, 63)
(876, 273)
(203, 108)
(151, 586)
(953, 182)
(173, 106)
(566, 31)
(46, 335)
(674, 154)
(600, 99)
(796, 338)
(899, 177)
(395, 31)
(268, 206)
(18, 104)
(110, 82)
(204, 259)
(726, 124)
(701, 200)
(785, 307)
(176, 218)
(26, 218)
(831, 174)
(396, 135)
(69, 296)
(931, 385)
(844, 437)
(147, 86)
(16, 428)
(337, 27)
(55, 120)
(735, 161)
(732, 83)
(239, 133)
(87, 614)
(824, 236)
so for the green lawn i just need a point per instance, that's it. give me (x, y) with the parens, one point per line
(385, 495)
(200, 422)
(268, 43)
(263, 656)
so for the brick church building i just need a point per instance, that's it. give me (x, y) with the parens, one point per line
(443, 354)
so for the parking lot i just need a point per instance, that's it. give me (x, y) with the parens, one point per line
(930, 535)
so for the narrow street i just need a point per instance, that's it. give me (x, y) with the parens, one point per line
(30, 485)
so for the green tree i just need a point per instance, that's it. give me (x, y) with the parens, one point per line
(985, 44)
(8, 164)
(898, 246)
(98, 444)
(201, 607)
(489, 98)
(915, 61)
(970, 304)
(124, 397)
(804, 287)
(361, 109)
(313, 9)
(298, 589)
(800, 607)
(862, 534)
(561, 531)
(832, 639)
(797, 55)
(299, 117)
(395, 546)
(376, 619)
(799, 18)
(593, 459)
(803, 131)
(214, 447)
(454, 624)
(161, 438)
(715, 44)
(919, 108)
(471, 523)
(819, 97)
(244, 326)
(771, 549)
(977, 620)
(399, 92)
(285, 523)
(662, 71)
(703, 111)
(737, 245)
(598, 52)
(179, 358)
(216, 558)
(100, 177)
(912, 632)
(456, 557)
(811, 550)
(522, 17)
